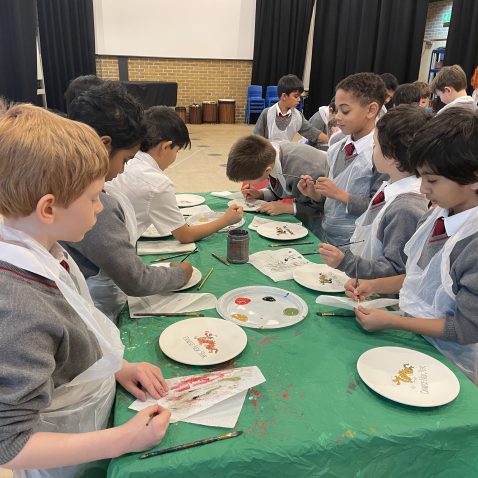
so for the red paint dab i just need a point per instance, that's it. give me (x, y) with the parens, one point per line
(266, 341)
(256, 393)
(301, 395)
(242, 301)
(263, 424)
(285, 395)
(254, 404)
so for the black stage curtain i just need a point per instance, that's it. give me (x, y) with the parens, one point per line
(351, 36)
(280, 41)
(462, 42)
(67, 39)
(18, 61)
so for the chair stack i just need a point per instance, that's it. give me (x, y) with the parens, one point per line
(255, 103)
(271, 96)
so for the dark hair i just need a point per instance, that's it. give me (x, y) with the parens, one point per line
(112, 112)
(453, 76)
(448, 146)
(407, 93)
(332, 105)
(163, 124)
(78, 86)
(249, 157)
(425, 91)
(396, 130)
(366, 87)
(391, 82)
(288, 84)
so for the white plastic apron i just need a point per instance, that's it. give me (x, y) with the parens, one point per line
(106, 295)
(84, 404)
(372, 247)
(428, 293)
(356, 178)
(461, 102)
(275, 134)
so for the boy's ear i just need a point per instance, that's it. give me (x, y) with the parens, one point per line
(107, 142)
(45, 209)
(474, 186)
(166, 145)
(269, 169)
(373, 109)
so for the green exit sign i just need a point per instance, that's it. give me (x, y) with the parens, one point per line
(446, 17)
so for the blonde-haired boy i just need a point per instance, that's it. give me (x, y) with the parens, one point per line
(59, 354)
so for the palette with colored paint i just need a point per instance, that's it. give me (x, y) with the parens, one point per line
(248, 205)
(204, 218)
(282, 231)
(202, 341)
(152, 232)
(407, 376)
(187, 200)
(320, 277)
(195, 277)
(262, 307)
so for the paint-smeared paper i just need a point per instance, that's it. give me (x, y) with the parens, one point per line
(163, 247)
(278, 265)
(350, 304)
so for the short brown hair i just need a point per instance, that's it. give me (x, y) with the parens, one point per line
(42, 153)
(249, 157)
(451, 76)
(425, 91)
(366, 87)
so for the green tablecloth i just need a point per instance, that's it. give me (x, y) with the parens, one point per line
(313, 416)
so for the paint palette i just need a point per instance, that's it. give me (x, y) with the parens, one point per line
(152, 232)
(204, 218)
(282, 231)
(187, 200)
(202, 341)
(261, 307)
(195, 277)
(320, 277)
(407, 376)
(248, 205)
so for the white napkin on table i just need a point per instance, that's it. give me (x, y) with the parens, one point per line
(278, 265)
(227, 194)
(191, 211)
(350, 304)
(163, 247)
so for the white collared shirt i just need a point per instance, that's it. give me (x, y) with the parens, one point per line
(404, 185)
(457, 102)
(361, 144)
(287, 113)
(454, 223)
(151, 193)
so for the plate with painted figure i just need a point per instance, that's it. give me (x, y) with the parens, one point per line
(152, 232)
(407, 376)
(195, 277)
(320, 277)
(282, 231)
(262, 307)
(205, 218)
(187, 200)
(202, 341)
(248, 205)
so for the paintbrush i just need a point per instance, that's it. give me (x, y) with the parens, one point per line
(290, 244)
(333, 314)
(204, 441)
(175, 255)
(356, 280)
(168, 314)
(185, 257)
(220, 259)
(290, 176)
(348, 243)
(155, 414)
(205, 279)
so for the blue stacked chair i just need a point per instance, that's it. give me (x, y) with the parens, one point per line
(255, 103)
(271, 95)
(301, 104)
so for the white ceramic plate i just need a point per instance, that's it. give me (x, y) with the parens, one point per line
(320, 277)
(251, 205)
(407, 376)
(152, 232)
(261, 307)
(195, 277)
(188, 200)
(282, 231)
(202, 341)
(204, 218)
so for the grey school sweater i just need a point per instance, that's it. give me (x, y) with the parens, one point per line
(107, 247)
(44, 344)
(396, 227)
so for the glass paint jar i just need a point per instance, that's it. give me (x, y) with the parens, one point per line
(237, 246)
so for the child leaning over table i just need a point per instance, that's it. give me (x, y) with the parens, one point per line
(59, 354)
(439, 291)
(255, 159)
(390, 221)
(352, 179)
(150, 190)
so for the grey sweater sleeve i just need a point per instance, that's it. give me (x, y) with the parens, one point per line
(107, 246)
(462, 327)
(396, 227)
(260, 127)
(308, 131)
(357, 205)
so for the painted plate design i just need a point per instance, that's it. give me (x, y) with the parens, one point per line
(195, 277)
(187, 200)
(249, 205)
(282, 231)
(320, 277)
(204, 218)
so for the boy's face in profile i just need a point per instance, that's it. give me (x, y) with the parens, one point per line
(352, 116)
(445, 95)
(118, 158)
(290, 101)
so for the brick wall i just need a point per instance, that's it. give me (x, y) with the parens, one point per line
(198, 80)
(434, 29)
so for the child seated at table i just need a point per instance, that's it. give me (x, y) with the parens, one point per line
(351, 180)
(439, 291)
(60, 354)
(151, 192)
(106, 255)
(281, 121)
(392, 216)
(425, 93)
(324, 120)
(255, 159)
